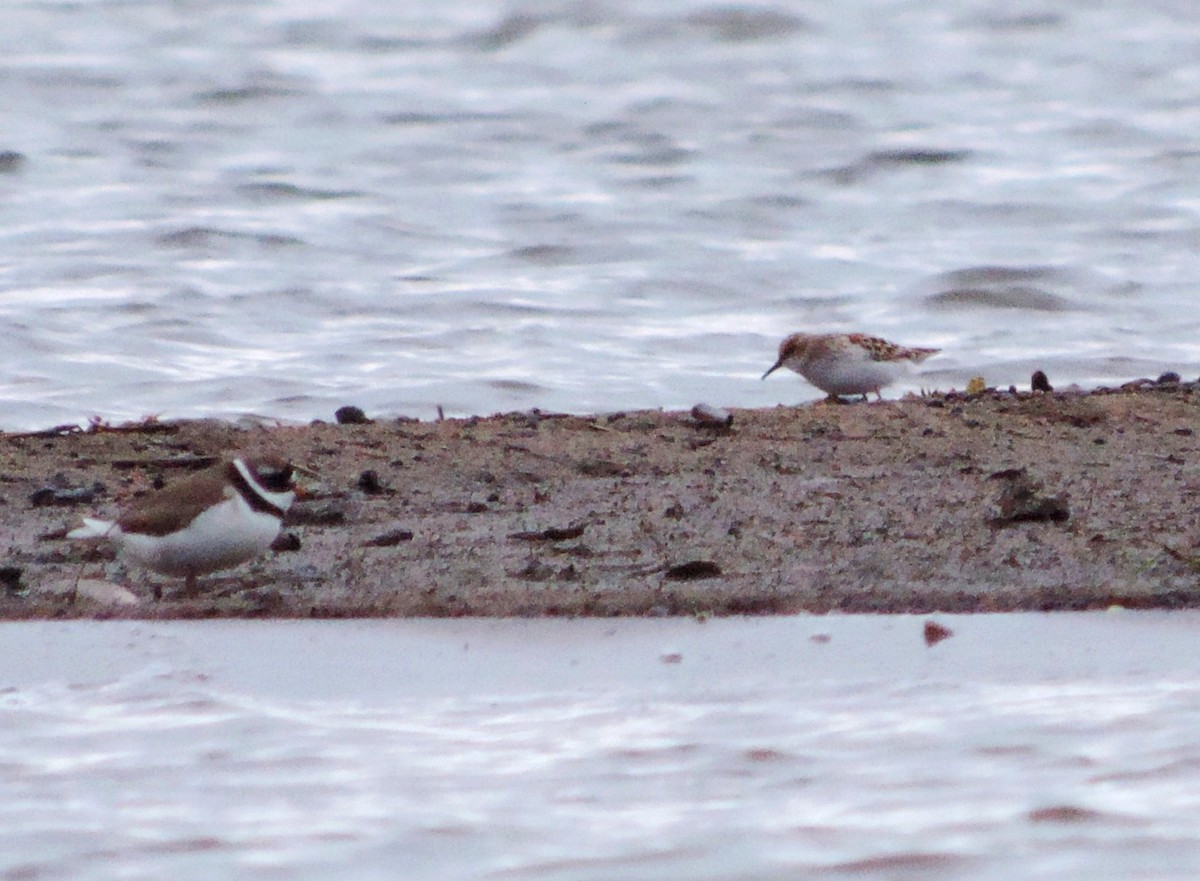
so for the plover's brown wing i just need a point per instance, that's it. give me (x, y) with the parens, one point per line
(176, 505)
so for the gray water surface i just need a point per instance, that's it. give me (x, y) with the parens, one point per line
(1024, 746)
(216, 208)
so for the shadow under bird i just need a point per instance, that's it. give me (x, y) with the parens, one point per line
(213, 520)
(847, 363)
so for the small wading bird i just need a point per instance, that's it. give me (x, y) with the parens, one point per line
(846, 363)
(213, 520)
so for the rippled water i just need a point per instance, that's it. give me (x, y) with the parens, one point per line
(217, 208)
(1026, 746)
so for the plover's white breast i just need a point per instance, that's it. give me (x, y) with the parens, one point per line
(222, 536)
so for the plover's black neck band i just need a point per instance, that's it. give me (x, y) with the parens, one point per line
(256, 497)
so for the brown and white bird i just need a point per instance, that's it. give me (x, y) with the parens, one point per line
(846, 363)
(213, 520)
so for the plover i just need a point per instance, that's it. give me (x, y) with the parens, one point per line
(213, 520)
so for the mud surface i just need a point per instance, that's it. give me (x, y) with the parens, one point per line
(983, 503)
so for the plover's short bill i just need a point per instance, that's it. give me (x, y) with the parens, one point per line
(213, 520)
(846, 363)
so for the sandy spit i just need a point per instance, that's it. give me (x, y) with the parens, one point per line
(953, 503)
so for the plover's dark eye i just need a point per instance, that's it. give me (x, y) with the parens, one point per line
(276, 479)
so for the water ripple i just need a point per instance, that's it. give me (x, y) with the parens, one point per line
(294, 211)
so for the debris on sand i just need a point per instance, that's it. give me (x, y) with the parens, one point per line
(1021, 500)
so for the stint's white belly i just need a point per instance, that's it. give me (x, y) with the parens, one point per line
(222, 537)
(852, 377)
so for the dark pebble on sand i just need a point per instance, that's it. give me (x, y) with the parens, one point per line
(1169, 378)
(285, 542)
(708, 416)
(389, 539)
(49, 495)
(693, 570)
(350, 415)
(1039, 382)
(370, 484)
(553, 533)
(10, 578)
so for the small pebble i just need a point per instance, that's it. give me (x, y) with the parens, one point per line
(64, 497)
(1039, 382)
(390, 539)
(712, 417)
(553, 533)
(1169, 377)
(286, 542)
(370, 484)
(10, 578)
(693, 570)
(350, 415)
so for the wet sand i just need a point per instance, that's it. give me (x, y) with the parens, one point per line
(992, 502)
